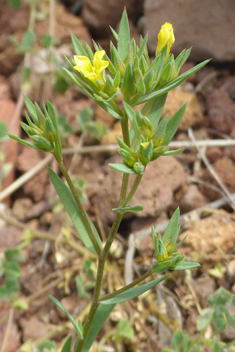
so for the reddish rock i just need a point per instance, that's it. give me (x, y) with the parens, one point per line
(9, 147)
(12, 22)
(214, 154)
(37, 187)
(33, 328)
(193, 114)
(192, 199)
(221, 111)
(98, 15)
(204, 25)
(161, 178)
(66, 23)
(225, 169)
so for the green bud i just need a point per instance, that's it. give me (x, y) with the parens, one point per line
(138, 167)
(129, 158)
(110, 87)
(145, 126)
(42, 143)
(159, 151)
(146, 152)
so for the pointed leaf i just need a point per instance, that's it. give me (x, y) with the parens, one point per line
(98, 321)
(77, 327)
(173, 84)
(172, 230)
(122, 168)
(78, 48)
(71, 207)
(173, 124)
(29, 144)
(134, 209)
(183, 265)
(123, 36)
(67, 345)
(133, 292)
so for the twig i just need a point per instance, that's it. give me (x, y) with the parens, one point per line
(8, 329)
(25, 177)
(162, 226)
(174, 144)
(128, 272)
(211, 169)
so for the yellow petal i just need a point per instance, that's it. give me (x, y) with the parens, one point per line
(82, 64)
(98, 63)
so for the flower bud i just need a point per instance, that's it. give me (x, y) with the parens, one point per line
(165, 36)
(138, 167)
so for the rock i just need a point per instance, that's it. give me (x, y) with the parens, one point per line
(204, 25)
(33, 328)
(37, 187)
(161, 178)
(204, 287)
(214, 154)
(12, 22)
(66, 23)
(110, 137)
(21, 207)
(98, 15)
(10, 237)
(9, 148)
(193, 114)
(221, 111)
(225, 169)
(192, 199)
(209, 236)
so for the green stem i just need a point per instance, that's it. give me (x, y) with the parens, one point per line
(133, 190)
(103, 256)
(79, 204)
(125, 288)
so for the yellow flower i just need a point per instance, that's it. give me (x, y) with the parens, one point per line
(165, 36)
(91, 70)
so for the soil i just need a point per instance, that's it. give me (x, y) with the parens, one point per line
(50, 267)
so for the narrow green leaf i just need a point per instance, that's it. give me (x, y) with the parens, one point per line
(173, 124)
(123, 36)
(115, 34)
(71, 207)
(31, 108)
(172, 230)
(173, 152)
(134, 209)
(122, 168)
(183, 265)
(128, 86)
(29, 144)
(78, 48)
(154, 109)
(98, 321)
(133, 292)
(77, 327)
(143, 46)
(67, 345)
(173, 84)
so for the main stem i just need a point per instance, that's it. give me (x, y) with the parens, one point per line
(124, 200)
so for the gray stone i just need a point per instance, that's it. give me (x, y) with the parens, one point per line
(206, 25)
